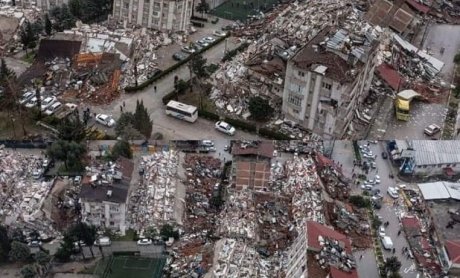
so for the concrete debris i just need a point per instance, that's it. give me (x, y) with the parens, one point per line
(332, 254)
(23, 194)
(157, 199)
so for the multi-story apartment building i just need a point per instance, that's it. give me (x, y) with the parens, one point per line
(171, 15)
(44, 5)
(104, 196)
(328, 79)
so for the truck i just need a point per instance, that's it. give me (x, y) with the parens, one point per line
(402, 104)
(387, 243)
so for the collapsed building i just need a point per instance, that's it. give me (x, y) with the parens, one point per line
(104, 194)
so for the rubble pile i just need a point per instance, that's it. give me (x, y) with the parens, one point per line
(154, 201)
(22, 193)
(335, 183)
(274, 229)
(203, 173)
(332, 254)
(304, 187)
(238, 218)
(191, 257)
(236, 259)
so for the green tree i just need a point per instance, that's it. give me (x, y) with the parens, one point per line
(27, 36)
(260, 108)
(5, 245)
(76, 8)
(69, 152)
(142, 121)
(360, 201)
(72, 128)
(202, 7)
(395, 275)
(82, 232)
(48, 25)
(5, 73)
(18, 235)
(198, 67)
(168, 231)
(63, 18)
(29, 271)
(457, 58)
(42, 258)
(124, 127)
(181, 86)
(151, 232)
(65, 250)
(121, 148)
(19, 251)
(393, 264)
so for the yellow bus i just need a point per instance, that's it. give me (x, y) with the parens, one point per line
(402, 104)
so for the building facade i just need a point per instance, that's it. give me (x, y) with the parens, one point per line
(44, 5)
(327, 80)
(105, 214)
(173, 15)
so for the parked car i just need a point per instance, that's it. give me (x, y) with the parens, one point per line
(33, 102)
(154, 73)
(188, 49)
(144, 241)
(207, 143)
(432, 129)
(203, 43)
(366, 187)
(179, 56)
(275, 153)
(209, 39)
(382, 231)
(53, 108)
(219, 33)
(197, 46)
(384, 155)
(377, 179)
(103, 241)
(105, 120)
(26, 97)
(47, 102)
(35, 243)
(225, 128)
(393, 192)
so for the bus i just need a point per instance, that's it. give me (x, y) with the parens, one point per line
(182, 111)
(402, 109)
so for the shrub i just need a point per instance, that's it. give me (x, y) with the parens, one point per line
(360, 201)
(197, 24)
(199, 18)
(229, 55)
(170, 96)
(272, 134)
(208, 115)
(241, 124)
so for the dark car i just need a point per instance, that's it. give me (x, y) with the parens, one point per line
(155, 72)
(384, 155)
(179, 56)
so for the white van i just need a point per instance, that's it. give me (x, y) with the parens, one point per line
(387, 243)
(103, 241)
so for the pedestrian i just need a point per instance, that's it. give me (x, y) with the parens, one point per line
(124, 104)
(394, 250)
(155, 89)
(399, 232)
(361, 257)
(121, 109)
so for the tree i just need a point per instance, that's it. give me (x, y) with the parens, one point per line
(151, 232)
(260, 108)
(142, 121)
(5, 245)
(393, 264)
(124, 127)
(19, 251)
(63, 18)
(72, 128)
(5, 73)
(18, 235)
(181, 86)
(29, 271)
(69, 152)
(42, 258)
(27, 36)
(65, 250)
(48, 25)
(121, 148)
(202, 7)
(395, 275)
(457, 58)
(167, 231)
(359, 201)
(198, 67)
(82, 232)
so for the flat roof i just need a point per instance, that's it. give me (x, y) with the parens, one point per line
(440, 190)
(441, 217)
(430, 152)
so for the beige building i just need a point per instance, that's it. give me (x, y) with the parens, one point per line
(327, 80)
(158, 14)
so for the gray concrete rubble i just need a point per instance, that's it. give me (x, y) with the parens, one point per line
(238, 219)
(154, 202)
(24, 192)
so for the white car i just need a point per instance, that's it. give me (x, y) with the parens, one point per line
(103, 241)
(225, 128)
(188, 49)
(47, 102)
(203, 43)
(209, 39)
(393, 192)
(432, 129)
(53, 108)
(219, 33)
(377, 179)
(144, 241)
(382, 231)
(26, 97)
(105, 120)
(33, 102)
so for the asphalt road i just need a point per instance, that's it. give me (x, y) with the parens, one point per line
(367, 266)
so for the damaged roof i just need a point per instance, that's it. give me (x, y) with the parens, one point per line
(50, 49)
(315, 230)
(390, 76)
(337, 273)
(453, 250)
(259, 148)
(384, 13)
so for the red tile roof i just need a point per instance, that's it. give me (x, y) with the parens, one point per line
(314, 230)
(453, 250)
(418, 6)
(411, 222)
(390, 76)
(337, 273)
(263, 148)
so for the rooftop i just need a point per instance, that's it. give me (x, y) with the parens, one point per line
(337, 273)
(453, 250)
(259, 148)
(440, 190)
(442, 213)
(316, 231)
(384, 13)
(430, 152)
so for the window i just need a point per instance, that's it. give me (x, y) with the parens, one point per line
(296, 100)
(112, 223)
(301, 73)
(126, 5)
(326, 86)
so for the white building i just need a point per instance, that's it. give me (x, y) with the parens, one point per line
(327, 80)
(104, 196)
(159, 14)
(44, 5)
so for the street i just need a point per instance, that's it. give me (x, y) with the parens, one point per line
(367, 266)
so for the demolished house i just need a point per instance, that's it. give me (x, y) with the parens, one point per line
(104, 194)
